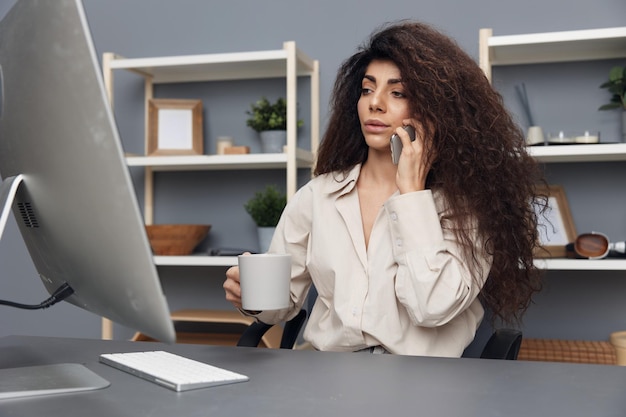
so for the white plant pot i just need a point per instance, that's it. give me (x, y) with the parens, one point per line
(265, 238)
(272, 141)
(624, 125)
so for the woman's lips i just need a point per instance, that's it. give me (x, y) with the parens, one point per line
(373, 126)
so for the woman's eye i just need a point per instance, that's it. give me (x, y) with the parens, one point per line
(365, 91)
(398, 94)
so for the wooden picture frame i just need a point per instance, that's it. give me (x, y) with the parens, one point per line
(556, 224)
(174, 127)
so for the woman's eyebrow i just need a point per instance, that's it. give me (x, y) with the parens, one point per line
(390, 81)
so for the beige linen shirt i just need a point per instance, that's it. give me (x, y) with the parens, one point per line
(410, 291)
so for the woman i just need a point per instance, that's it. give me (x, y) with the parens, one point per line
(404, 256)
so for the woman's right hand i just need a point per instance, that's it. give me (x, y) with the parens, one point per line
(413, 165)
(232, 287)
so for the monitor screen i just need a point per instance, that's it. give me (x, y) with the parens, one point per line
(59, 147)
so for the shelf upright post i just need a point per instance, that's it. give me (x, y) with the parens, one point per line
(483, 51)
(107, 75)
(292, 116)
(315, 110)
(106, 332)
(148, 198)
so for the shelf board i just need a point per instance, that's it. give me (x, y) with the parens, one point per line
(304, 159)
(555, 264)
(563, 264)
(195, 260)
(216, 67)
(577, 45)
(580, 153)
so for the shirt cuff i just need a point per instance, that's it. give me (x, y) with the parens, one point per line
(250, 312)
(414, 221)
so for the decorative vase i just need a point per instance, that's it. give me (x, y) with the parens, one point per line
(265, 238)
(272, 141)
(535, 136)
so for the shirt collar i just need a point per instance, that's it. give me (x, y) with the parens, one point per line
(340, 182)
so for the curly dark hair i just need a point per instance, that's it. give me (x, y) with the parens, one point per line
(481, 166)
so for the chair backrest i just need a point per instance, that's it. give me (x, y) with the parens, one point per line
(503, 344)
(492, 343)
(255, 331)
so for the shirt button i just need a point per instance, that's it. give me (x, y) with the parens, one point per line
(399, 242)
(394, 216)
(354, 311)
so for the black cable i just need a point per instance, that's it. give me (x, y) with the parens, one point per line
(60, 294)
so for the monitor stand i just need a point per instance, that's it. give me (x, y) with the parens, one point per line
(61, 378)
(43, 379)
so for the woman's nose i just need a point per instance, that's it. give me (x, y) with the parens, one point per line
(376, 103)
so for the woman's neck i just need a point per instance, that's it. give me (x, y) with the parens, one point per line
(379, 172)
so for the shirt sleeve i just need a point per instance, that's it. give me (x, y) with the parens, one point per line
(434, 280)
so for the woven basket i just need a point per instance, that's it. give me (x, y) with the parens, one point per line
(176, 239)
(576, 351)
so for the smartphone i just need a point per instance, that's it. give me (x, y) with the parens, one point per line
(396, 143)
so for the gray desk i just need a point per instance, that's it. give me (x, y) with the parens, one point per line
(307, 383)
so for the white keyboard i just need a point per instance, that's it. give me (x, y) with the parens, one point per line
(171, 371)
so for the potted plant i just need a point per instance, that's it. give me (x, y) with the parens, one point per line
(616, 85)
(270, 121)
(265, 208)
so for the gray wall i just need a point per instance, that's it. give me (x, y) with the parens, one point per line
(573, 305)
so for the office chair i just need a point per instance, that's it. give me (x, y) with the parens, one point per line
(493, 343)
(503, 344)
(255, 331)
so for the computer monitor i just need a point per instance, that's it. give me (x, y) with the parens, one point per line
(64, 173)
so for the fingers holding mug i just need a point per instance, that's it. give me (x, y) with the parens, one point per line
(232, 287)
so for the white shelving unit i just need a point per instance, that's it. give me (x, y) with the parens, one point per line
(536, 48)
(567, 46)
(289, 63)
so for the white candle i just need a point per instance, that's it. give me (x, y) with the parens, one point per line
(587, 138)
(223, 142)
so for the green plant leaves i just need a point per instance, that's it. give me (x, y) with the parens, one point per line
(616, 85)
(266, 206)
(268, 116)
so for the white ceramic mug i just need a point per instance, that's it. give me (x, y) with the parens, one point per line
(264, 280)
